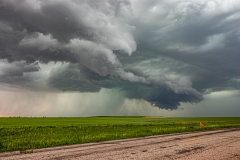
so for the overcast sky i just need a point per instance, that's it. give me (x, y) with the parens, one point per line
(119, 57)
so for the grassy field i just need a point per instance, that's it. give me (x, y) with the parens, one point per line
(29, 133)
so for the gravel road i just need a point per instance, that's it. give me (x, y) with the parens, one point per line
(220, 144)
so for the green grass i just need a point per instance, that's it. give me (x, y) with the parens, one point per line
(29, 133)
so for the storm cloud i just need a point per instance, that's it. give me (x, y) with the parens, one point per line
(164, 52)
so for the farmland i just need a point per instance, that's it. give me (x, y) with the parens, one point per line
(18, 133)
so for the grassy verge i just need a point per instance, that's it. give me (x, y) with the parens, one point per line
(30, 133)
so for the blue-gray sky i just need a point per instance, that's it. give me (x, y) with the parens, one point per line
(119, 57)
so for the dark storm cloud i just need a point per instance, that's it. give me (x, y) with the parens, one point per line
(164, 52)
(55, 30)
(201, 38)
(16, 73)
(75, 78)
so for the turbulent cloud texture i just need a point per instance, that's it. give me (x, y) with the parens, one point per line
(164, 52)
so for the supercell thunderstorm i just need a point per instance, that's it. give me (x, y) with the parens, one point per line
(164, 52)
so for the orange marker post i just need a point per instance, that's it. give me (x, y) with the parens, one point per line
(201, 124)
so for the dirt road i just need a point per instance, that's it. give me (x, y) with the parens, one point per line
(221, 144)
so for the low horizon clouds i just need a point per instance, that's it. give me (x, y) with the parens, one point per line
(166, 53)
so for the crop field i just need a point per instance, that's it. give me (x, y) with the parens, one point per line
(31, 133)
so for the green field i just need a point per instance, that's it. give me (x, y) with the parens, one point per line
(30, 133)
